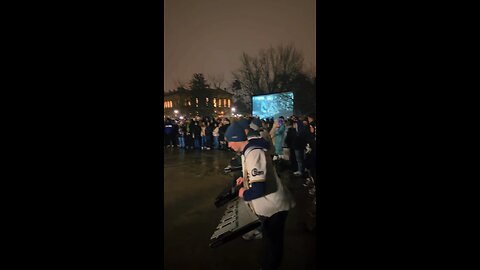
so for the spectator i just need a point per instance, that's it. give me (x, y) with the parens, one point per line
(216, 134)
(222, 130)
(189, 134)
(181, 134)
(203, 144)
(197, 135)
(174, 137)
(168, 132)
(209, 135)
(289, 138)
(299, 144)
(312, 132)
(277, 134)
(259, 130)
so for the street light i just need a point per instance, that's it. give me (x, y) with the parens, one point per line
(233, 109)
(176, 111)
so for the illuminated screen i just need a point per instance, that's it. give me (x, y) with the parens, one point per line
(273, 105)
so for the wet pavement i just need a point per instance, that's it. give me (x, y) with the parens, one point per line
(192, 180)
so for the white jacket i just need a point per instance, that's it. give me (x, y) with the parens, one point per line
(258, 167)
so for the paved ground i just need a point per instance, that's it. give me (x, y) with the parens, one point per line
(192, 181)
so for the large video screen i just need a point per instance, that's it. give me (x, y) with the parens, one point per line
(273, 105)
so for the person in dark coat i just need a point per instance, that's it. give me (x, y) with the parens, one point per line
(197, 135)
(289, 138)
(221, 131)
(181, 134)
(299, 144)
(189, 134)
(311, 140)
(168, 132)
(209, 135)
(175, 133)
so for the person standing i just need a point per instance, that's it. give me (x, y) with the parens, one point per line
(203, 135)
(175, 133)
(168, 131)
(263, 191)
(181, 134)
(196, 135)
(277, 133)
(289, 139)
(216, 134)
(299, 144)
(209, 135)
(189, 134)
(257, 125)
(312, 134)
(222, 130)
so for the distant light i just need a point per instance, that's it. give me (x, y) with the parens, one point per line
(233, 109)
(176, 111)
(181, 117)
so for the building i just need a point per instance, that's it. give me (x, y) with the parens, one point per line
(190, 103)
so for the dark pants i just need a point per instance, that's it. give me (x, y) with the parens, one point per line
(174, 140)
(168, 139)
(300, 156)
(189, 141)
(198, 142)
(293, 161)
(273, 235)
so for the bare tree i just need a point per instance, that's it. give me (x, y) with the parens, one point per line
(216, 80)
(180, 84)
(271, 71)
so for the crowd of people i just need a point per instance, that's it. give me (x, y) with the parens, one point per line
(292, 139)
(260, 144)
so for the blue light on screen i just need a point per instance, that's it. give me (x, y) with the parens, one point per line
(273, 105)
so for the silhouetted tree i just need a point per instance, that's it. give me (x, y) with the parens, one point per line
(216, 80)
(271, 71)
(239, 97)
(198, 82)
(180, 84)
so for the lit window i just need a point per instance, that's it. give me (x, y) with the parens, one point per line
(228, 103)
(214, 102)
(224, 102)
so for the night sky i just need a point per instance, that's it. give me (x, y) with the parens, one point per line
(209, 36)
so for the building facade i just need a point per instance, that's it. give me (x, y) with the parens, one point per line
(190, 103)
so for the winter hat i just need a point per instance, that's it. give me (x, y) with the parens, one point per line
(235, 133)
(244, 123)
(256, 124)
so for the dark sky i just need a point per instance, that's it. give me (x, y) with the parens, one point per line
(209, 36)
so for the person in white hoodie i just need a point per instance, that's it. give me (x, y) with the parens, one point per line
(263, 191)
